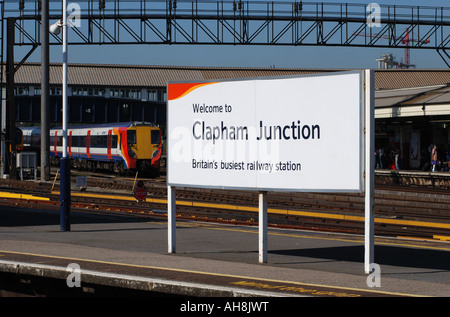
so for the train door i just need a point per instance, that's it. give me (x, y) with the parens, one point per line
(88, 144)
(156, 147)
(132, 143)
(55, 143)
(109, 144)
(70, 144)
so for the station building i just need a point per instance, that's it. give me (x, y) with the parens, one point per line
(412, 106)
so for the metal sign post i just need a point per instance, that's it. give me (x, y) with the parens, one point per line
(171, 218)
(370, 173)
(65, 160)
(262, 227)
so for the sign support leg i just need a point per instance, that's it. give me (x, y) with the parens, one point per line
(171, 218)
(370, 172)
(262, 227)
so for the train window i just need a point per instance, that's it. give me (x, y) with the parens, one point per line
(98, 141)
(114, 142)
(131, 136)
(18, 136)
(94, 141)
(155, 137)
(27, 140)
(79, 141)
(103, 141)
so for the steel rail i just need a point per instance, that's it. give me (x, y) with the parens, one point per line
(314, 213)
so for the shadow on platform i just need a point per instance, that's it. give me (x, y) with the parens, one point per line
(384, 255)
(16, 217)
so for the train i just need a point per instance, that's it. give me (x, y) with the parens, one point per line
(123, 148)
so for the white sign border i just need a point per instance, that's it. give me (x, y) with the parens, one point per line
(362, 111)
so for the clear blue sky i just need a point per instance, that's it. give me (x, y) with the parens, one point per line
(245, 56)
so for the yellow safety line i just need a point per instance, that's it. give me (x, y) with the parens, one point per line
(443, 238)
(21, 196)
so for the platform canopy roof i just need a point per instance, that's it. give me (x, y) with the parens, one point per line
(408, 102)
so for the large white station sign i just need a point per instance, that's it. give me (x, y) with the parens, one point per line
(301, 134)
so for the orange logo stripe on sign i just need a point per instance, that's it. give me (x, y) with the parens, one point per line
(177, 91)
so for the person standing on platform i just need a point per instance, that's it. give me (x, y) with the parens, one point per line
(434, 158)
(381, 157)
(396, 159)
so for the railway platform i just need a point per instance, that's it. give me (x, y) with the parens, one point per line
(415, 178)
(128, 255)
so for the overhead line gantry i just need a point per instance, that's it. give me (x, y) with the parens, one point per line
(293, 23)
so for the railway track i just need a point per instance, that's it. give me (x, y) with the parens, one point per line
(412, 212)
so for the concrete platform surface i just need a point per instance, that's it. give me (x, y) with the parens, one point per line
(217, 260)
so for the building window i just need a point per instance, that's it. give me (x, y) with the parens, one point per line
(79, 91)
(126, 93)
(156, 95)
(55, 91)
(133, 93)
(21, 91)
(98, 92)
(84, 91)
(118, 93)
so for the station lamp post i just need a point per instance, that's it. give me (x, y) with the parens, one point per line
(65, 160)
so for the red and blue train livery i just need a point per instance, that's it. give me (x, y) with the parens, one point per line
(120, 147)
